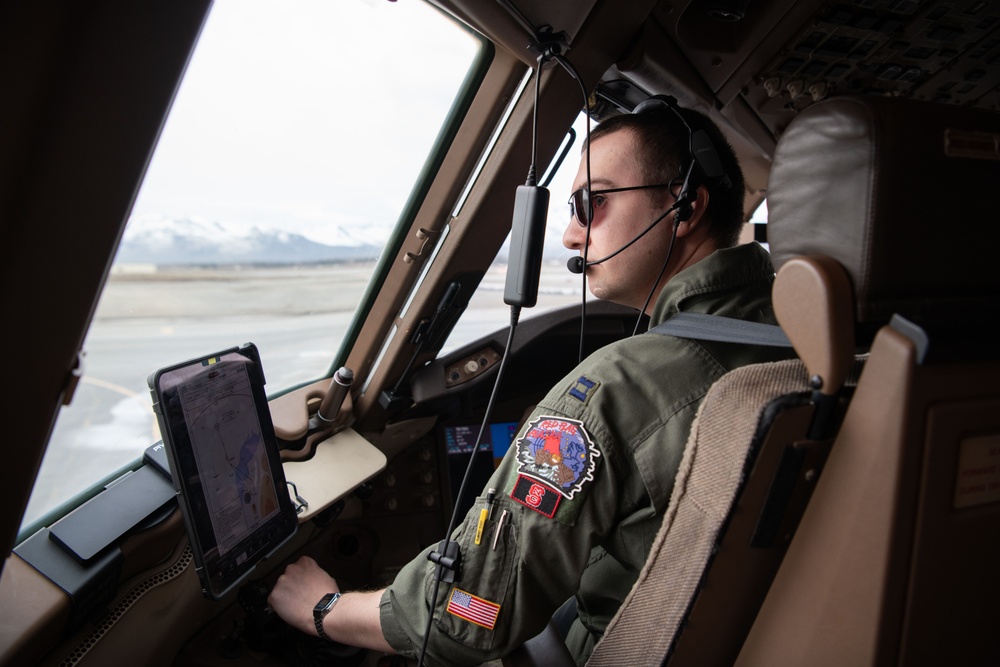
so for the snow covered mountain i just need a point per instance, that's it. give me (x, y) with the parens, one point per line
(170, 241)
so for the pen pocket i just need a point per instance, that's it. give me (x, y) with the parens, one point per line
(475, 608)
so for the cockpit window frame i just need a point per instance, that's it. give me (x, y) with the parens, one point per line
(449, 129)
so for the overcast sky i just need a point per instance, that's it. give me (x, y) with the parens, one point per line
(304, 114)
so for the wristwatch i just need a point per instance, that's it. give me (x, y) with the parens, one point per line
(323, 608)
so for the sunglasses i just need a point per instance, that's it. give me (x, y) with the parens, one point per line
(581, 202)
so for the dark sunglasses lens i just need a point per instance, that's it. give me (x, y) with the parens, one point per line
(581, 206)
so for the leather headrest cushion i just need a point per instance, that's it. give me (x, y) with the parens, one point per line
(903, 194)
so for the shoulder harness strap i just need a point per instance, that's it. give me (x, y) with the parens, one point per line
(701, 326)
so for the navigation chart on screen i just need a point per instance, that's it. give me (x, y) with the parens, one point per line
(229, 448)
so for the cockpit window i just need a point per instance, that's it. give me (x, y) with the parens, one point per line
(295, 140)
(557, 286)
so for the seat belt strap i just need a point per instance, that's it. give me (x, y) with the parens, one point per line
(701, 326)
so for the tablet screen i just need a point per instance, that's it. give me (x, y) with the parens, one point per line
(224, 461)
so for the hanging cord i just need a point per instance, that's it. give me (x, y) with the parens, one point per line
(449, 556)
(659, 276)
(568, 66)
(515, 314)
(534, 121)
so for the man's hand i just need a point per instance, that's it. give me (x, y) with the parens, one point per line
(298, 590)
(354, 621)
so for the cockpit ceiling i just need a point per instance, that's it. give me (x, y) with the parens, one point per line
(936, 51)
(777, 57)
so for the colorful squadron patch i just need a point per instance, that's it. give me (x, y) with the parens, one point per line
(559, 452)
(473, 609)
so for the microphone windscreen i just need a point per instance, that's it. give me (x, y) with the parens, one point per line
(575, 264)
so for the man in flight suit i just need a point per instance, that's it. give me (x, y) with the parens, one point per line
(582, 491)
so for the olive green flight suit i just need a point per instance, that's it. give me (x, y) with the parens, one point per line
(580, 494)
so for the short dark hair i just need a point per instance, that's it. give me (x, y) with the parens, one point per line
(663, 143)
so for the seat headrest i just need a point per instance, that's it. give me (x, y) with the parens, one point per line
(903, 194)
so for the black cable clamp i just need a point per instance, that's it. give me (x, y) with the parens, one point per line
(548, 44)
(449, 558)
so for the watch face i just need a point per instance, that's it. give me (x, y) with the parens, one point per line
(325, 603)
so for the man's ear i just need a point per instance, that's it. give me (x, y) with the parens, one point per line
(697, 218)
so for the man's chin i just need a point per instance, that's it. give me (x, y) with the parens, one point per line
(599, 291)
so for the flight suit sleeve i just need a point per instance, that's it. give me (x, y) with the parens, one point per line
(556, 499)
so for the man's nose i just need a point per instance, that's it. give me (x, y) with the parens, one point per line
(575, 235)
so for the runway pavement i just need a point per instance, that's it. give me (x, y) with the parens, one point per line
(297, 317)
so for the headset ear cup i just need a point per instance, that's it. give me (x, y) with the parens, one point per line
(707, 158)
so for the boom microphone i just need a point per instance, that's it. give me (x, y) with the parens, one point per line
(577, 264)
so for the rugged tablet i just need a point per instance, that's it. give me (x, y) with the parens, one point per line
(224, 461)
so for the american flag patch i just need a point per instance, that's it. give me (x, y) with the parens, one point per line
(473, 609)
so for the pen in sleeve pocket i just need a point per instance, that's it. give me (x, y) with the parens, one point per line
(496, 533)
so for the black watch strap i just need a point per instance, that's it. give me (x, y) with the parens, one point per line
(320, 611)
